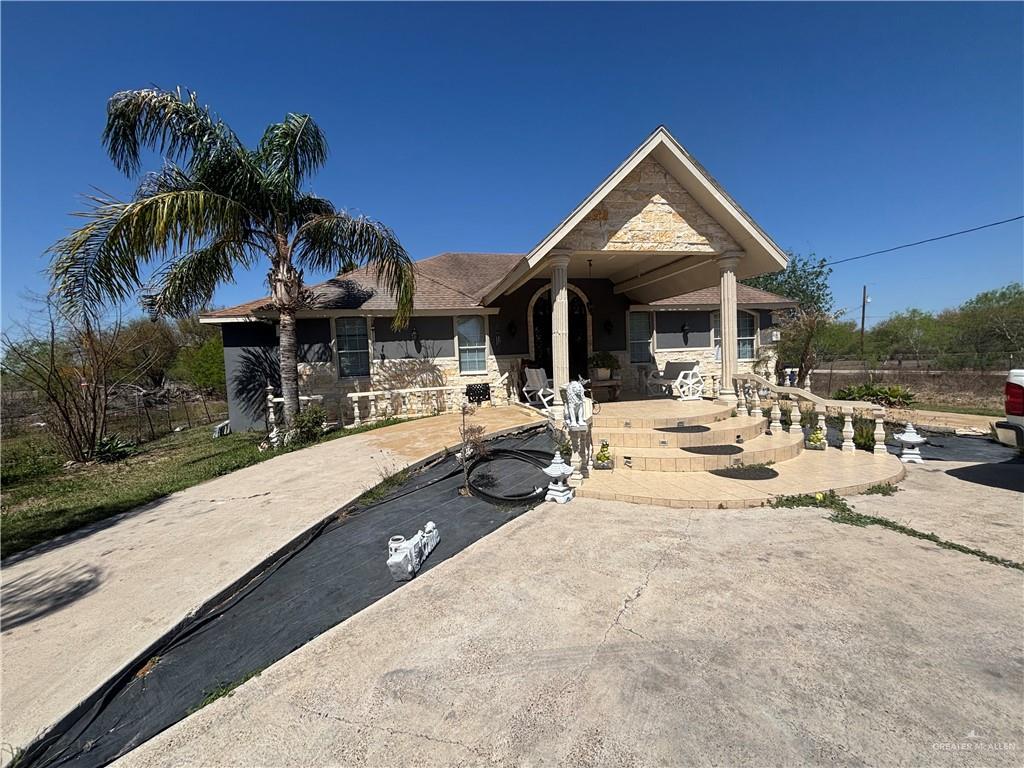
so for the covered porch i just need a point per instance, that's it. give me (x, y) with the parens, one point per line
(658, 227)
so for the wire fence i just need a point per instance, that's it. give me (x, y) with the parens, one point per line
(139, 418)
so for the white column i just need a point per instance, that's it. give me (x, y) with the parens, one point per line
(727, 322)
(559, 326)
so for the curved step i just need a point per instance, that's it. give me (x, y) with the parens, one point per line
(716, 433)
(775, 448)
(810, 472)
(651, 414)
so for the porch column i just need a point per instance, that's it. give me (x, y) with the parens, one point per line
(727, 320)
(559, 325)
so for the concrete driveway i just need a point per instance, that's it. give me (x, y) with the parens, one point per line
(79, 608)
(601, 633)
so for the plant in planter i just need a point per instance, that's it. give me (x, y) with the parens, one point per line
(602, 365)
(603, 459)
(815, 440)
(565, 448)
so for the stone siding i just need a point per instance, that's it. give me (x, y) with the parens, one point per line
(386, 375)
(649, 211)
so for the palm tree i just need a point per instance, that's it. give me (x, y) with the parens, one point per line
(216, 206)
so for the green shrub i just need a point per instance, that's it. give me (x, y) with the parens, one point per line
(604, 454)
(894, 396)
(603, 360)
(113, 448)
(864, 434)
(309, 424)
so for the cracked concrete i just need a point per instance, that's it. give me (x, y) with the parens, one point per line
(160, 562)
(606, 634)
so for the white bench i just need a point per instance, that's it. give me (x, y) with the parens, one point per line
(683, 380)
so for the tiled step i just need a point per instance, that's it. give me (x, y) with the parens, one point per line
(759, 450)
(651, 414)
(810, 472)
(716, 433)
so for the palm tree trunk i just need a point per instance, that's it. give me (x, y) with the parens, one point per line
(289, 366)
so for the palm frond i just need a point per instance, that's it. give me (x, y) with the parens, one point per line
(339, 242)
(187, 282)
(292, 150)
(171, 122)
(100, 261)
(310, 206)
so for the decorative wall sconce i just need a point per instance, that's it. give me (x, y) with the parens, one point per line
(686, 334)
(609, 327)
(512, 328)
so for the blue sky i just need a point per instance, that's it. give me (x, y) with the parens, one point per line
(841, 128)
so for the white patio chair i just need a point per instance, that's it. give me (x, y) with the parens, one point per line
(537, 389)
(683, 380)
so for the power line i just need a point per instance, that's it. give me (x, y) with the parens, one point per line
(922, 242)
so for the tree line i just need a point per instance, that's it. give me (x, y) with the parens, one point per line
(985, 332)
(74, 372)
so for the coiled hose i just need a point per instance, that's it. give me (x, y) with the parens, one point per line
(539, 459)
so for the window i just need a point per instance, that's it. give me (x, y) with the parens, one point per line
(745, 332)
(469, 333)
(353, 346)
(639, 337)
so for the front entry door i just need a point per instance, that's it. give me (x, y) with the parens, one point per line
(577, 335)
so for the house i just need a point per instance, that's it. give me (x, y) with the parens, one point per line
(645, 268)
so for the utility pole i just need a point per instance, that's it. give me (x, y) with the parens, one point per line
(863, 315)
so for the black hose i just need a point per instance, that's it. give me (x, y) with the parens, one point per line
(540, 459)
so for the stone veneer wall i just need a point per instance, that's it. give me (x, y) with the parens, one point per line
(320, 379)
(649, 211)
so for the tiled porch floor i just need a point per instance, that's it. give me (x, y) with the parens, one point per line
(659, 412)
(810, 472)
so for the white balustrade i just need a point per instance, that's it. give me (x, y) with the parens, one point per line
(821, 406)
(410, 402)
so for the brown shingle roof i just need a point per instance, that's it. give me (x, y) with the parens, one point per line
(712, 297)
(445, 281)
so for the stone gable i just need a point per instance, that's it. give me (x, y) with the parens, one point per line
(649, 211)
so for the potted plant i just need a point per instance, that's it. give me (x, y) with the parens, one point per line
(603, 459)
(602, 364)
(815, 441)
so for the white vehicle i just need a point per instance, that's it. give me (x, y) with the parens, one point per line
(1011, 430)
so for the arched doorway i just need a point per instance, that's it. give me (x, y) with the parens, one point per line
(578, 334)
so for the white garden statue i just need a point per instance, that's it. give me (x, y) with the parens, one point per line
(575, 416)
(406, 556)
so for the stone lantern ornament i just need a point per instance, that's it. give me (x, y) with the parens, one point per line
(558, 490)
(910, 445)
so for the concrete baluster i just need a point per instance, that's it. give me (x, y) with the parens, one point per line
(776, 425)
(271, 415)
(848, 446)
(741, 400)
(879, 449)
(755, 402)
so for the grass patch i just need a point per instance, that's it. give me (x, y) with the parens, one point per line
(383, 489)
(881, 489)
(968, 409)
(223, 690)
(843, 513)
(42, 499)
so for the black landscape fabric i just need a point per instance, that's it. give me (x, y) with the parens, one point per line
(326, 577)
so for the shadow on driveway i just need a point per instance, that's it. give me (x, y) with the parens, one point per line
(38, 593)
(1008, 475)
